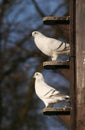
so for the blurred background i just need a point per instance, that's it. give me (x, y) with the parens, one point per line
(20, 108)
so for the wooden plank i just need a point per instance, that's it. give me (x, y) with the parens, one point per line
(56, 65)
(53, 20)
(80, 66)
(57, 111)
(72, 65)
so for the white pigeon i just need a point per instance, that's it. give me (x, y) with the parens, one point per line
(50, 46)
(46, 93)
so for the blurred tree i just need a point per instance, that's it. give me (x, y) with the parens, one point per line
(20, 59)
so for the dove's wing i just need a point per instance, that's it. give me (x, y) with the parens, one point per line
(54, 44)
(43, 90)
(58, 95)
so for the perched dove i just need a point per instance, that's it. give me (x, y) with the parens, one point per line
(46, 93)
(50, 46)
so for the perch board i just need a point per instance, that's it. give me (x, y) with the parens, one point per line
(53, 20)
(56, 65)
(57, 111)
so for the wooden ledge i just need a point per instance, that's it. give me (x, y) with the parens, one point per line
(56, 65)
(53, 20)
(57, 111)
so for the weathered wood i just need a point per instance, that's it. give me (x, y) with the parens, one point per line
(57, 111)
(53, 20)
(72, 65)
(78, 80)
(56, 65)
(80, 66)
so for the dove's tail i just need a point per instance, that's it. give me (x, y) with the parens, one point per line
(67, 98)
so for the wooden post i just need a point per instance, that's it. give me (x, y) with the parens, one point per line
(78, 58)
(80, 64)
(72, 65)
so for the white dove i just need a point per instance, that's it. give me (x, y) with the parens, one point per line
(50, 46)
(46, 93)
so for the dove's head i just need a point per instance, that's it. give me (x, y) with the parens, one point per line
(38, 76)
(36, 33)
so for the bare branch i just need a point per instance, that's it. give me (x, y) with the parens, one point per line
(38, 9)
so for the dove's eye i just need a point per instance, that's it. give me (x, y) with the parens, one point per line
(36, 74)
(35, 32)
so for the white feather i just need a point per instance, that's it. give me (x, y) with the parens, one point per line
(50, 46)
(46, 93)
